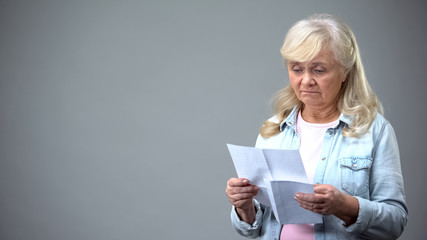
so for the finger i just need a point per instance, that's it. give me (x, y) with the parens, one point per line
(242, 203)
(247, 189)
(323, 188)
(310, 207)
(321, 208)
(309, 199)
(305, 197)
(238, 182)
(240, 197)
(315, 207)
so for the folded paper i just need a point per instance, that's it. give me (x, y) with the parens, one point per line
(279, 174)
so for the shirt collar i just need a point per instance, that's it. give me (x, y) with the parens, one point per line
(291, 120)
(345, 119)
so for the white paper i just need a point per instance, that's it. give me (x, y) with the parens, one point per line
(279, 174)
(248, 165)
(285, 165)
(288, 210)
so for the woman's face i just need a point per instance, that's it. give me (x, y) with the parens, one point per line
(316, 83)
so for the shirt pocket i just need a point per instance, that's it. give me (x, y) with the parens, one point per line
(355, 174)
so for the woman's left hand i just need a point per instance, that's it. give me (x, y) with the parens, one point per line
(328, 200)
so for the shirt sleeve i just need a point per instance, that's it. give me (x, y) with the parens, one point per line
(244, 228)
(384, 215)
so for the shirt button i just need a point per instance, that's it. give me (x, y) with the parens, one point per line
(323, 159)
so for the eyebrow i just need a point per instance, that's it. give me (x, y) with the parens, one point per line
(312, 63)
(293, 63)
(318, 63)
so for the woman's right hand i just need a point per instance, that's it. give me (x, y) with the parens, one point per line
(241, 193)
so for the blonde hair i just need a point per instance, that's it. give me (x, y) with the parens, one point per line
(303, 42)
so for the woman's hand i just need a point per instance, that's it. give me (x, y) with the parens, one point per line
(240, 193)
(328, 200)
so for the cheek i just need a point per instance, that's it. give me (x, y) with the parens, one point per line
(296, 88)
(293, 81)
(333, 89)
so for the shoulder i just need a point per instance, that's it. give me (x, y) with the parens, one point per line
(380, 119)
(261, 142)
(380, 129)
(379, 124)
(273, 119)
(273, 141)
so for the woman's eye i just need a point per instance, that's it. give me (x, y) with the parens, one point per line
(319, 71)
(296, 70)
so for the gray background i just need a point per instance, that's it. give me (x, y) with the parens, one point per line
(114, 115)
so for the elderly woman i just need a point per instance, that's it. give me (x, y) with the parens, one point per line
(349, 150)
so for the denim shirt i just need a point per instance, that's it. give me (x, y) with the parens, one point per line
(367, 168)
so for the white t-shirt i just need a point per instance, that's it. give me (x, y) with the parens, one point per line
(311, 139)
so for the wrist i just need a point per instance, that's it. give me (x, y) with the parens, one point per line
(348, 210)
(247, 214)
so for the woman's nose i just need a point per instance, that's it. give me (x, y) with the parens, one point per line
(307, 78)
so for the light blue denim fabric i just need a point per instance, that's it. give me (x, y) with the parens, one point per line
(367, 167)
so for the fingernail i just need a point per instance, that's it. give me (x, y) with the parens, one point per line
(296, 196)
(245, 181)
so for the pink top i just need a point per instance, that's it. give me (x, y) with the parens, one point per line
(311, 137)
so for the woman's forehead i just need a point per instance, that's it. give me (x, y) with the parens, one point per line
(325, 56)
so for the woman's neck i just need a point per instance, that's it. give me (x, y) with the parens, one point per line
(320, 115)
